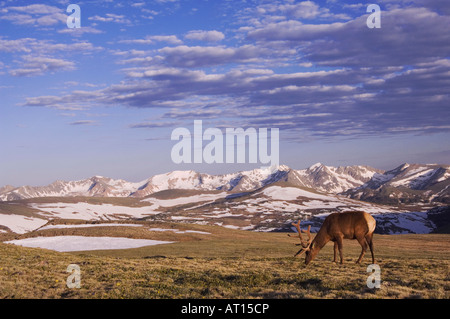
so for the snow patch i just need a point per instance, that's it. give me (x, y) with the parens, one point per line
(184, 200)
(291, 193)
(80, 243)
(85, 211)
(411, 222)
(88, 225)
(21, 224)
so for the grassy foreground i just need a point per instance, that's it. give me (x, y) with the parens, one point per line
(231, 264)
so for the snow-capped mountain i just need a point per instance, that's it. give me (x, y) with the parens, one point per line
(241, 181)
(413, 182)
(318, 176)
(407, 183)
(329, 179)
(260, 199)
(107, 187)
(94, 186)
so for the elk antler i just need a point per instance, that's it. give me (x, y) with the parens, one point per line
(299, 231)
(301, 251)
(308, 232)
(305, 245)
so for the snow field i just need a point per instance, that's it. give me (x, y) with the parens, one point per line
(81, 243)
(21, 224)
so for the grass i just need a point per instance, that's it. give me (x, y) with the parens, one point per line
(227, 264)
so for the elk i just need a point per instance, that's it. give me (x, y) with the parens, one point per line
(336, 227)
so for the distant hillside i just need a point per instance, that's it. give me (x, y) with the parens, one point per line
(408, 183)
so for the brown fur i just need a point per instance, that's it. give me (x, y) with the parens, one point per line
(339, 226)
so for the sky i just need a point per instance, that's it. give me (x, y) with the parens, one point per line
(104, 99)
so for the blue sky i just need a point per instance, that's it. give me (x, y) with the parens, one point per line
(103, 99)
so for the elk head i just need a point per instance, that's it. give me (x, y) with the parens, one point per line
(306, 245)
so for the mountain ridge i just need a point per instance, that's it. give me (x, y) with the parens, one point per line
(416, 182)
(189, 179)
(407, 183)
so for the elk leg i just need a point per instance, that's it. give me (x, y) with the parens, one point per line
(335, 252)
(363, 243)
(340, 247)
(369, 239)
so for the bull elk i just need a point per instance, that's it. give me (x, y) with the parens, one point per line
(336, 227)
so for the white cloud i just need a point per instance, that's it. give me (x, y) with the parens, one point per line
(202, 35)
(42, 56)
(34, 14)
(110, 17)
(80, 31)
(83, 122)
(38, 65)
(301, 10)
(151, 39)
(199, 56)
(172, 39)
(275, 11)
(37, 46)
(35, 9)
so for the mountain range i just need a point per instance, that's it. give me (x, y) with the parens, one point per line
(407, 183)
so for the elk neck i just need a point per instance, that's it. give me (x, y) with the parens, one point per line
(320, 239)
